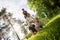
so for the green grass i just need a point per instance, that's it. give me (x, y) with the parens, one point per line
(53, 19)
(50, 32)
(28, 35)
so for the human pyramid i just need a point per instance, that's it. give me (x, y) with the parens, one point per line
(34, 23)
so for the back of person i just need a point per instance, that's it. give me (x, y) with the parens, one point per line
(38, 22)
(33, 28)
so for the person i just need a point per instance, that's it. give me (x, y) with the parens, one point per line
(27, 16)
(32, 29)
(31, 21)
(37, 27)
(39, 22)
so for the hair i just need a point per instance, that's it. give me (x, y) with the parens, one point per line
(22, 8)
(37, 19)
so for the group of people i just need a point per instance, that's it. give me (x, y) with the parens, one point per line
(34, 23)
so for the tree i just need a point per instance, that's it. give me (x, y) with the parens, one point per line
(7, 27)
(50, 7)
(22, 26)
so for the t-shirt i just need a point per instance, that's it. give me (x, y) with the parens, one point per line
(32, 28)
(38, 24)
(29, 19)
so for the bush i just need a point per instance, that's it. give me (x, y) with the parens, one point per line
(50, 32)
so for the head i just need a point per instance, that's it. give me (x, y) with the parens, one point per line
(23, 9)
(37, 19)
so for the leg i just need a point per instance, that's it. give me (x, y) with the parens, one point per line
(37, 28)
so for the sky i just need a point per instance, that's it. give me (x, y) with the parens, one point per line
(15, 6)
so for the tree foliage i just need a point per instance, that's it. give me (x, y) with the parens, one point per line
(49, 7)
(50, 32)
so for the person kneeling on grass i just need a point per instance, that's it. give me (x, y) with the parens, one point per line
(38, 22)
(32, 29)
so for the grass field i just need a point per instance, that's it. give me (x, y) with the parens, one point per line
(50, 32)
